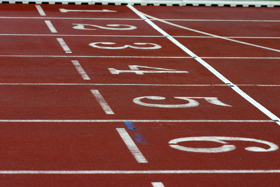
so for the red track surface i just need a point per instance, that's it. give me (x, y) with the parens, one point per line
(56, 131)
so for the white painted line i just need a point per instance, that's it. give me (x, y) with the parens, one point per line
(137, 36)
(62, 10)
(80, 69)
(205, 33)
(116, 84)
(64, 45)
(210, 68)
(8, 172)
(40, 10)
(131, 146)
(157, 184)
(163, 57)
(137, 19)
(125, 120)
(102, 102)
(50, 25)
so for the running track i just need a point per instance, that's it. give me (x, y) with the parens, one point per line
(139, 96)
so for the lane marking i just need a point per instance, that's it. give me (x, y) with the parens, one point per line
(157, 184)
(116, 84)
(125, 120)
(80, 69)
(167, 57)
(40, 10)
(137, 171)
(102, 102)
(63, 10)
(131, 146)
(64, 45)
(138, 36)
(137, 19)
(210, 68)
(205, 33)
(50, 26)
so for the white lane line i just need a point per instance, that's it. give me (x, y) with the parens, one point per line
(80, 70)
(210, 68)
(102, 102)
(64, 45)
(137, 36)
(136, 19)
(116, 84)
(205, 33)
(167, 57)
(252, 171)
(40, 10)
(157, 184)
(125, 120)
(50, 26)
(131, 146)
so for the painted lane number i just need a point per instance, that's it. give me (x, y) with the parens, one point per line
(191, 102)
(135, 69)
(222, 140)
(119, 27)
(135, 46)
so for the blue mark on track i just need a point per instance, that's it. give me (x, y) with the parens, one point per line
(135, 133)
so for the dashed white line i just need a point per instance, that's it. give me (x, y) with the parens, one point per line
(40, 10)
(157, 184)
(102, 102)
(64, 45)
(50, 26)
(10, 172)
(131, 146)
(207, 66)
(80, 69)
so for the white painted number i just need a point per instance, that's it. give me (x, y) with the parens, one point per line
(67, 10)
(220, 139)
(119, 27)
(135, 69)
(191, 102)
(138, 45)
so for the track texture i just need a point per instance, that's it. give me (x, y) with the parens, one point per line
(139, 96)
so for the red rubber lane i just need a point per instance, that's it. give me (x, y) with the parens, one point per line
(267, 96)
(38, 70)
(77, 102)
(29, 26)
(210, 47)
(234, 180)
(18, 10)
(30, 45)
(225, 28)
(231, 13)
(248, 71)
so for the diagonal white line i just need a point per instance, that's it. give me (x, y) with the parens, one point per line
(157, 184)
(131, 146)
(102, 102)
(64, 45)
(40, 10)
(212, 35)
(80, 69)
(50, 26)
(210, 68)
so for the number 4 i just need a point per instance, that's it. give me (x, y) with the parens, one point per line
(135, 69)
